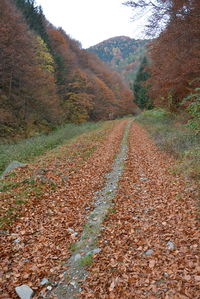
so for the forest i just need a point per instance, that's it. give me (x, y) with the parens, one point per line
(100, 176)
(47, 79)
(170, 74)
(123, 54)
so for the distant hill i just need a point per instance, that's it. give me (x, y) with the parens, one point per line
(123, 54)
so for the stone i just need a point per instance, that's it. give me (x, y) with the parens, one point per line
(73, 283)
(77, 257)
(75, 234)
(24, 292)
(17, 241)
(44, 281)
(170, 245)
(3, 232)
(94, 251)
(148, 252)
(143, 179)
(12, 166)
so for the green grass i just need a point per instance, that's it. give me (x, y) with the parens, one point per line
(73, 247)
(8, 185)
(25, 150)
(86, 260)
(20, 202)
(175, 138)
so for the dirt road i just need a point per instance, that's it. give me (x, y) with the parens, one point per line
(150, 246)
(149, 242)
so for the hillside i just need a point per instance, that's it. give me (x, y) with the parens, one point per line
(55, 80)
(123, 54)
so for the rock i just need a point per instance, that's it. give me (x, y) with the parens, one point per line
(94, 251)
(26, 260)
(44, 281)
(17, 241)
(24, 292)
(77, 257)
(75, 234)
(143, 179)
(170, 245)
(148, 252)
(73, 283)
(3, 232)
(11, 166)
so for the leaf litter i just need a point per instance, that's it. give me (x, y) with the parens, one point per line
(47, 204)
(150, 245)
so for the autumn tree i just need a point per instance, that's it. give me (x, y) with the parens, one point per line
(26, 84)
(79, 98)
(34, 17)
(175, 52)
(47, 79)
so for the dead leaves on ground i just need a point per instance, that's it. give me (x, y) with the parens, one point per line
(150, 246)
(56, 190)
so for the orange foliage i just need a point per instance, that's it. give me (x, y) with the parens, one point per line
(175, 55)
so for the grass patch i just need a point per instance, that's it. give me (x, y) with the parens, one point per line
(8, 185)
(175, 138)
(86, 260)
(112, 211)
(14, 206)
(73, 247)
(10, 216)
(20, 202)
(27, 149)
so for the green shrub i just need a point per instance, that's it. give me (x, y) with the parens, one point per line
(194, 108)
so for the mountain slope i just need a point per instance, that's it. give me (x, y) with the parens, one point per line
(123, 54)
(55, 80)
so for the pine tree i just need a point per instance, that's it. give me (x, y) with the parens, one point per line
(140, 86)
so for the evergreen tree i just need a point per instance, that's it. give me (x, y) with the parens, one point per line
(140, 88)
(34, 17)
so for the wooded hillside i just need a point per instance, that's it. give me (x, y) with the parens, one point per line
(46, 78)
(123, 54)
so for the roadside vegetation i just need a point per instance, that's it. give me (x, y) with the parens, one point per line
(27, 149)
(176, 138)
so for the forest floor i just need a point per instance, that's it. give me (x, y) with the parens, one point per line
(148, 246)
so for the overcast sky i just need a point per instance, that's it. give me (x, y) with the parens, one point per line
(91, 21)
